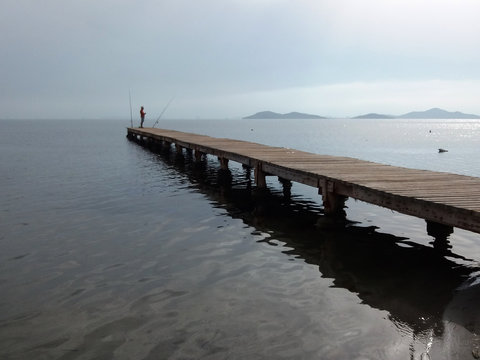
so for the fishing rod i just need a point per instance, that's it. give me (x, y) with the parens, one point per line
(164, 109)
(131, 116)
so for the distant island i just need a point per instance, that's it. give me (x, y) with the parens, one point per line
(437, 113)
(434, 113)
(274, 115)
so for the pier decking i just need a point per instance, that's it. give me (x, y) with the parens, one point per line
(440, 198)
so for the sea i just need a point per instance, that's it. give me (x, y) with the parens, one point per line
(109, 250)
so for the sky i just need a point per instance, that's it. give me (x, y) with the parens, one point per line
(232, 58)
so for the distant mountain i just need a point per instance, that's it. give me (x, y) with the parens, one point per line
(297, 115)
(274, 115)
(374, 116)
(434, 113)
(437, 113)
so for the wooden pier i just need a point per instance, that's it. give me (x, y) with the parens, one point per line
(444, 200)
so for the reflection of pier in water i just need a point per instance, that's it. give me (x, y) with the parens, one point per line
(415, 284)
(444, 200)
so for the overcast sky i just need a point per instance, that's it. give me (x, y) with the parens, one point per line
(232, 58)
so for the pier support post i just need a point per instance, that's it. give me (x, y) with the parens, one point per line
(333, 204)
(179, 153)
(333, 207)
(260, 177)
(188, 154)
(223, 163)
(198, 155)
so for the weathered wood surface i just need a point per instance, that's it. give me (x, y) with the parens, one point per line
(446, 198)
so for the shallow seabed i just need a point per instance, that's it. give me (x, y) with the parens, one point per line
(111, 251)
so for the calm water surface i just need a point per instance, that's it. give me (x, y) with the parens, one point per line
(110, 251)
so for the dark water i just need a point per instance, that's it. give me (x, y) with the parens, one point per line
(110, 251)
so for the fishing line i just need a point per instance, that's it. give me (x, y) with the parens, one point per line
(130, 99)
(164, 109)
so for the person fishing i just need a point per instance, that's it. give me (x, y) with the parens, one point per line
(142, 116)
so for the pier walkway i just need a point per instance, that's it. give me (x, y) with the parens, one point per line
(443, 199)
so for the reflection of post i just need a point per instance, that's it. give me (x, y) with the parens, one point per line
(248, 174)
(224, 175)
(287, 187)
(156, 146)
(188, 154)
(333, 204)
(440, 233)
(166, 146)
(151, 144)
(260, 180)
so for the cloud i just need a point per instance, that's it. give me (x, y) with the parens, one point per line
(66, 55)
